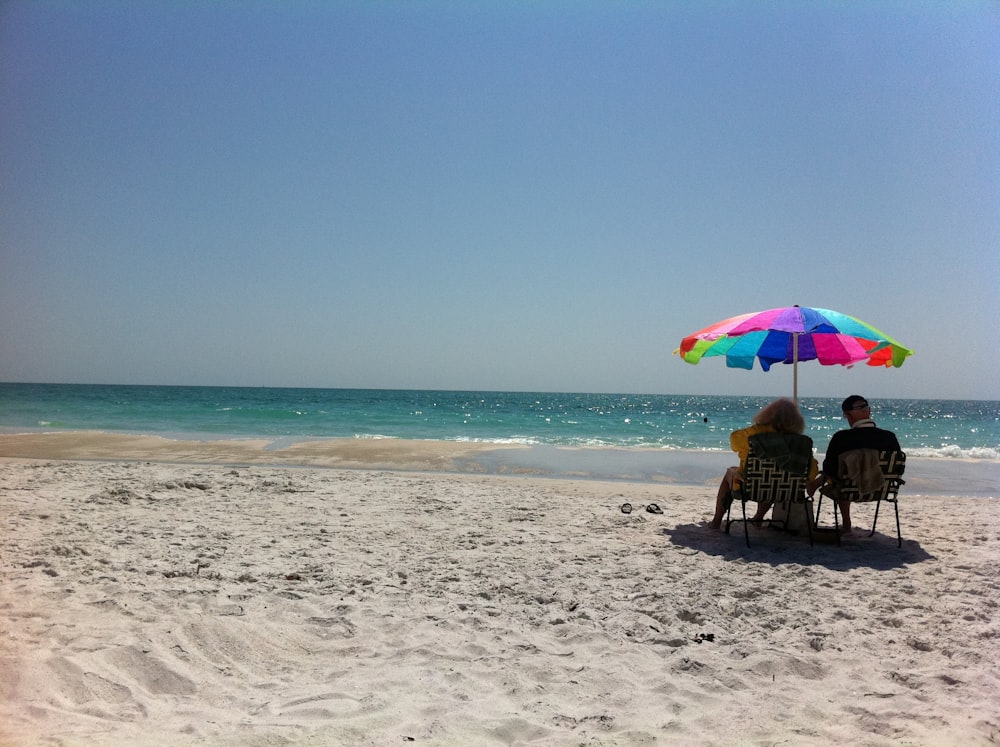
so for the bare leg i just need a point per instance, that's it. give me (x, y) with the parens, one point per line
(845, 514)
(721, 503)
(762, 508)
(724, 497)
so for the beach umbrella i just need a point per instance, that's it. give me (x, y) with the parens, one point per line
(792, 334)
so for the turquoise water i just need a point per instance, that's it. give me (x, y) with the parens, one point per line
(926, 428)
(953, 446)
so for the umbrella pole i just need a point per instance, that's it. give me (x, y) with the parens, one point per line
(795, 367)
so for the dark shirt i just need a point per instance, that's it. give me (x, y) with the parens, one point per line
(861, 436)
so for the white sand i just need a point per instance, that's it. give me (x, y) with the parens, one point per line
(171, 603)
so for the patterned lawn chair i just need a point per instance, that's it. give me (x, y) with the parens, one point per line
(776, 470)
(858, 465)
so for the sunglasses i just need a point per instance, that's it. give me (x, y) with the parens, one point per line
(859, 406)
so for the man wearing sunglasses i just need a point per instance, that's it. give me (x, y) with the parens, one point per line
(862, 434)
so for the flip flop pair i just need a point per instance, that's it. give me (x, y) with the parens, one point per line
(651, 508)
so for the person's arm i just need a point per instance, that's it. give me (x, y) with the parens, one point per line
(739, 441)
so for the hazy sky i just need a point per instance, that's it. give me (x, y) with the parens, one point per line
(486, 195)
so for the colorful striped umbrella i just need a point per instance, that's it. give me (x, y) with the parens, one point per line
(790, 335)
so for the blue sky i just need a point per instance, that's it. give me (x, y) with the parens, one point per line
(515, 196)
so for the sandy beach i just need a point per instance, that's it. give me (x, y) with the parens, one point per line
(159, 593)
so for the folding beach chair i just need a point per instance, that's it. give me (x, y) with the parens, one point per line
(855, 464)
(776, 471)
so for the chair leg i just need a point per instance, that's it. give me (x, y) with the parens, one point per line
(808, 511)
(729, 522)
(836, 522)
(819, 505)
(746, 524)
(899, 533)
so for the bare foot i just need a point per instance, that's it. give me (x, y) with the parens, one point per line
(716, 525)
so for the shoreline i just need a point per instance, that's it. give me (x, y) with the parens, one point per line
(924, 476)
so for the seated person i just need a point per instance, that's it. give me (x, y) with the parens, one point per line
(780, 416)
(862, 434)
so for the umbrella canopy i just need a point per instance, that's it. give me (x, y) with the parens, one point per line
(790, 335)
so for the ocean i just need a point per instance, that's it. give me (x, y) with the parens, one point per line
(639, 429)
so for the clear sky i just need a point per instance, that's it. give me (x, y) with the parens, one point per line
(485, 195)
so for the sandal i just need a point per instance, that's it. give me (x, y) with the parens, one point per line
(654, 509)
(626, 508)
